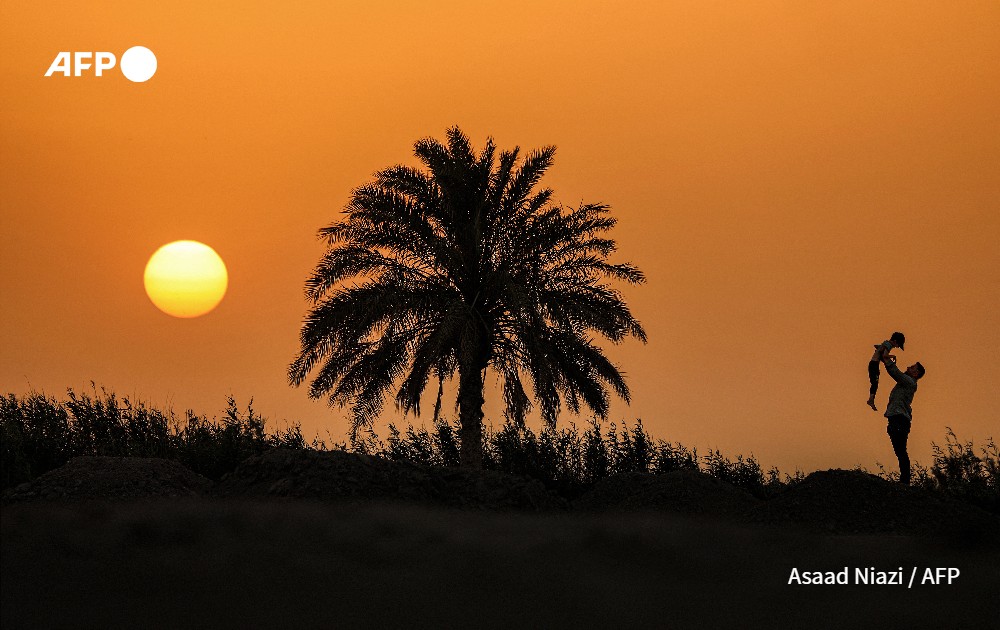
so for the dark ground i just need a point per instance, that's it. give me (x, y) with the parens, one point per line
(280, 557)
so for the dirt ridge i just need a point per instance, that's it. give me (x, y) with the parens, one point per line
(832, 501)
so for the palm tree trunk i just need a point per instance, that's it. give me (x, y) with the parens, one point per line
(470, 413)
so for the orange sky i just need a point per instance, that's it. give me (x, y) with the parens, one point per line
(797, 180)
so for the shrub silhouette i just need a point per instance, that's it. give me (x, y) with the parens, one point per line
(39, 433)
(959, 471)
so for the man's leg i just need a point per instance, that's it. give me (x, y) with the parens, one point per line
(899, 431)
(873, 379)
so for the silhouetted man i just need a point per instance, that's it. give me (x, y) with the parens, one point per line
(899, 413)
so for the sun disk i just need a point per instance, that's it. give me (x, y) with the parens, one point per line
(185, 279)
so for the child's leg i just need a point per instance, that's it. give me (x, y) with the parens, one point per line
(873, 373)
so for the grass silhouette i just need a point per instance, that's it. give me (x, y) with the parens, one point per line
(39, 433)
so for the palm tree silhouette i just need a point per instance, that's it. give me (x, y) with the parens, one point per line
(465, 266)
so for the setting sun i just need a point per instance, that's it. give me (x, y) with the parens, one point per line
(185, 279)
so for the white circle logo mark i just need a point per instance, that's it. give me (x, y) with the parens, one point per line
(138, 64)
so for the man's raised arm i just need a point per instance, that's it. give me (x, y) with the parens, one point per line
(891, 369)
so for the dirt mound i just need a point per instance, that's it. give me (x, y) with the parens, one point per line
(118, 478)
(685, 491)
(832, 501)
(337, 475)
(853, 502)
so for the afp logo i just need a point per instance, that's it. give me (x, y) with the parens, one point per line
(138, 64)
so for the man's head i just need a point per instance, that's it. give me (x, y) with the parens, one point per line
(898, 339)
(915, 371)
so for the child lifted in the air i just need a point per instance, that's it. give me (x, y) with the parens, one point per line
(882, 350)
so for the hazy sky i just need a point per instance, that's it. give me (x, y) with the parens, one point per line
(797, 180)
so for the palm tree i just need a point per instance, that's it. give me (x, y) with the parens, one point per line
(464, 266)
